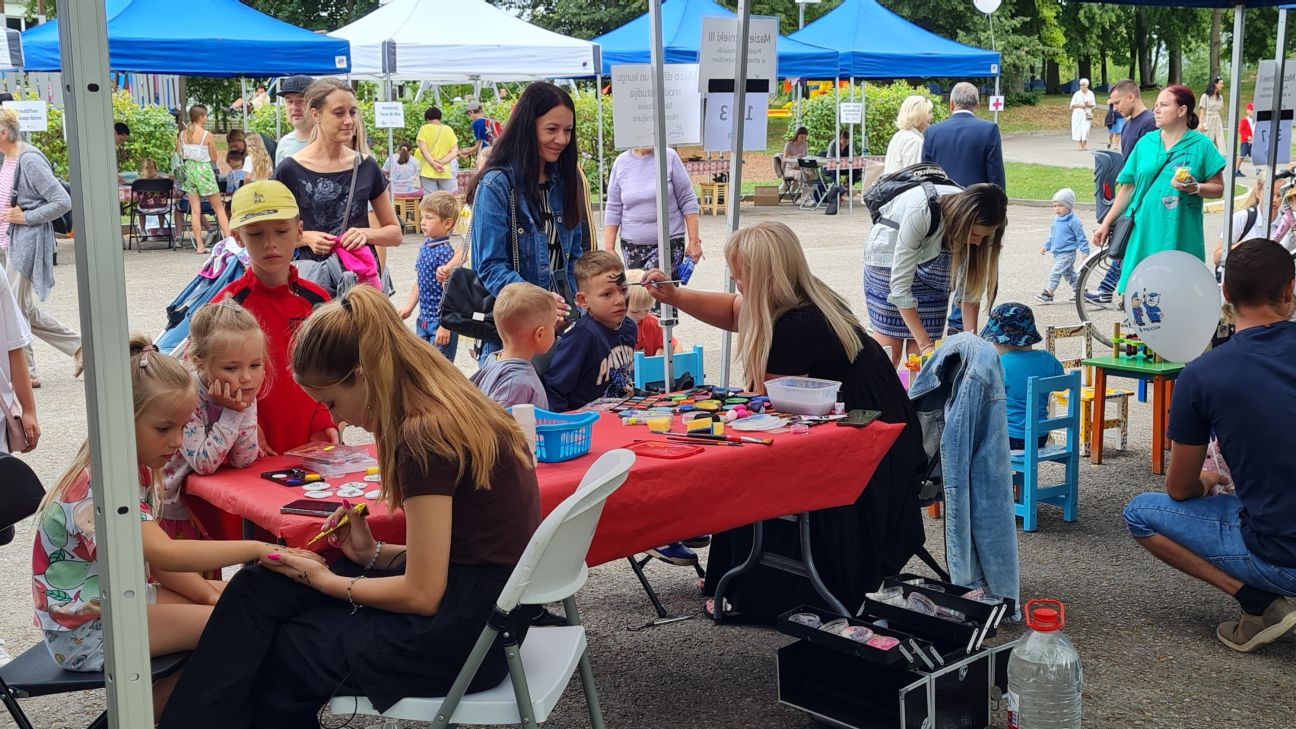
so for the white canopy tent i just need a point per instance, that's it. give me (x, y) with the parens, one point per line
(402, 41)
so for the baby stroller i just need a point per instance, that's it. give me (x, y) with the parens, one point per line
(1107, 165)
(227, 262)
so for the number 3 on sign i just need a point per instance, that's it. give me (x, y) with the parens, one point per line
(724, 112)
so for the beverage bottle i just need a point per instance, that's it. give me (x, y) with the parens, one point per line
(1044, 674)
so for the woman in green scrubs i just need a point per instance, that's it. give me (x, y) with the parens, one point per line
(1163, 183)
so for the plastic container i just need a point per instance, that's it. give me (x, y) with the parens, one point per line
(563, 436)
(1045, 678)
(524, 414)
(802, 395)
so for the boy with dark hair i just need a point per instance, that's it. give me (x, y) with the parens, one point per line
(595, 358)
(1243, 392)
(265, 220)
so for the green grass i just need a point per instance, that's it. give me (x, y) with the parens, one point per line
(1027, 181)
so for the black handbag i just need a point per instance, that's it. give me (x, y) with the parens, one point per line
(466, 304)
(1122, 228)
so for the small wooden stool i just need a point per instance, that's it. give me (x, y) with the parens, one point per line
(714, 198)
(407, 211)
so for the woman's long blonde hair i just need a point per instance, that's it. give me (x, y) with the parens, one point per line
(262, 165)
(914, 110)
(776, 278)
(980, 204)
(418, 399)
(155, 379)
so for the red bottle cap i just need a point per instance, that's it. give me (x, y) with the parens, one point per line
(1045, 619)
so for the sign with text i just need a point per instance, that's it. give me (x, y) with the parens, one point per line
(851, 112)
(633, 120)
(389, 115)
(718, 51)
(33, 116)
(1260, 146)
(721, 119)
(1264, 88)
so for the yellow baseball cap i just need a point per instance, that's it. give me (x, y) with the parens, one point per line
(262, 200)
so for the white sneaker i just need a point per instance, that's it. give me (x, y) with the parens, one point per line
(4, 654)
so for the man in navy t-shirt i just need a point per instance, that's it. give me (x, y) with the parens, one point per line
(1243, 393)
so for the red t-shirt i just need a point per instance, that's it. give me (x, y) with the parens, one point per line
(286, 414)
(1245, 131)
(650, 336)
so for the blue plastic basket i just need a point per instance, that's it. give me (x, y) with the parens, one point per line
(563, 436)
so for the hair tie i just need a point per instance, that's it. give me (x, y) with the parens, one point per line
(346, 302)
(144, 354)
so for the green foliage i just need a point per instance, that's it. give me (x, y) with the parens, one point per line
(1023, 98)
(316, 14)
(881, 105)
(153, 132)
(52, 142)
(1020, 51)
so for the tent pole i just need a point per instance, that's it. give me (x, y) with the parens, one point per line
(1235, 106)
(101, 285)
(735, 164)
(994, 47)
(850, 173)
(657, 52)
(243, 98)
(1280, 61)
(391, 133)
(598, 99)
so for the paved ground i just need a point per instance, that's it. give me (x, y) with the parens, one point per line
(1145, 633)
(1051, 148)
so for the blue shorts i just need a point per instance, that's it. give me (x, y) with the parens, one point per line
(1211, 528)
(427, 329)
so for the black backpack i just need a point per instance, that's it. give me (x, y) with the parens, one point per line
(888, 187)
(1110, 120)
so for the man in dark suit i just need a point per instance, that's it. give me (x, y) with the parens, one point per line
(969, 150)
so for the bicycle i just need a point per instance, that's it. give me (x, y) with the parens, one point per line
(1103, 309)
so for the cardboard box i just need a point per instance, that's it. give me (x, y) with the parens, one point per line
(767, 195)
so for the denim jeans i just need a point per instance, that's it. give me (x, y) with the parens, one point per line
(488, 350)
(1108, 284)
(1063, 268)
(1211, 528)
(428, 334)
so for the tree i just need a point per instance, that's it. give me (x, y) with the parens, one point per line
(315, 14)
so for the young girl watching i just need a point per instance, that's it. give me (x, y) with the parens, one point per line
(65, 573)
(228, 351)
(390, 620)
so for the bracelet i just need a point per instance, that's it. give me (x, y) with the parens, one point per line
(374, 558)
(355, 607)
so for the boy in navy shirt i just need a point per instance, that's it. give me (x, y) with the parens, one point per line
(439, 213)
(1243, 391)
(595, 358)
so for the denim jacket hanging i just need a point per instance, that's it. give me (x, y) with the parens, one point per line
(961, 405)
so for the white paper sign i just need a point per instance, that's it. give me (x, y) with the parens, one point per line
(996, 103)
(389, 115)
(33, 116)
(632, 105)
(719, 49)
(852, 112)
(1265, 85)
(1260, 145)
(720, 121)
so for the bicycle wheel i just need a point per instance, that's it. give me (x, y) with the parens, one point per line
(1098, 313)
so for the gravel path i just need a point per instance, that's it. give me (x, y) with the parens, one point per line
(1145, 633)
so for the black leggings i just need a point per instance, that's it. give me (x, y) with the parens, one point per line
(1019, 444)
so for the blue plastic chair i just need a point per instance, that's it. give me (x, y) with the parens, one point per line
(652, 370)
(1025, 464)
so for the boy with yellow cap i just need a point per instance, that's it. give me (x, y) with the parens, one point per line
(265, 220)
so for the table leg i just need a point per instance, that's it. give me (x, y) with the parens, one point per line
(1169, 398)
(1096, 414)
(753, 558)
(1158, 425)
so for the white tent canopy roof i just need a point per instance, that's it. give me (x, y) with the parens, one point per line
(480, 41)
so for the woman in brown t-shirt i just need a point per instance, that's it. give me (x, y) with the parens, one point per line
(391, 620)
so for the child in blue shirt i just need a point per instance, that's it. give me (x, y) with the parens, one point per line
(595, 358)
(1065, 239)
(1011, 329)
(439, 213)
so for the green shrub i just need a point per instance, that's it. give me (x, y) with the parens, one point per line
(152, 132)
(1024, 98)
(52, 143)
(881, 104)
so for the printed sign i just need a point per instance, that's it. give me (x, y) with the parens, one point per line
(719, 49)
(1264, 88)
(33, 116)
(996, 103)
(851, 112)
(1260, 145)
(720, 121)
(633, 120)
(389, 115)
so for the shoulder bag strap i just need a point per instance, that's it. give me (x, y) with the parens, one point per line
(1151, 180)
(346, 211)
(513, 228)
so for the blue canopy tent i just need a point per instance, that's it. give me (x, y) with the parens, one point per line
(682, 33)
(873, 42)
(213, 38)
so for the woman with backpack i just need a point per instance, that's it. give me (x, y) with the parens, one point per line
(931, 240)
(35, 199)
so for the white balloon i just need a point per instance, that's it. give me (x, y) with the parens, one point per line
(1173, 303)
(987, 6)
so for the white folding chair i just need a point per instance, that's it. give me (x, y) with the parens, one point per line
(552, 568)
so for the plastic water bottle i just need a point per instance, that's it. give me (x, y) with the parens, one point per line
(1044, 674)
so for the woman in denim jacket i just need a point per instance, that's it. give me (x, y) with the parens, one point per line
(534, 163)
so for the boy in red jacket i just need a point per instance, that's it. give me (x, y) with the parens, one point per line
(264, 218)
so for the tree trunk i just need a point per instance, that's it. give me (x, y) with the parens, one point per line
(1102, 60)
(1086, 69)
(1052, 83)
(1175, 54)
(1156, 64)
(1217, 17)
(1143, 49)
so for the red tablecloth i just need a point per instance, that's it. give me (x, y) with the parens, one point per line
(661, 502)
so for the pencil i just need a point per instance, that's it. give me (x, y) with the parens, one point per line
(359, 509)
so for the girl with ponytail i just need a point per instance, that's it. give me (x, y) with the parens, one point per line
(1163, 183)
(65, 574)
(396, 619)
